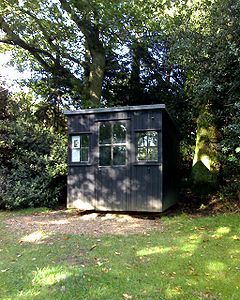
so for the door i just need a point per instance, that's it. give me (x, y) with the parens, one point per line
(147, 172)
(112, 172)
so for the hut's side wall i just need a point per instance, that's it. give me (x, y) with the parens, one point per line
(170, 162)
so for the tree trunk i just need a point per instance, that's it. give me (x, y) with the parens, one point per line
(95, 80)
(94, 67)
(205, 163)
(135, 90)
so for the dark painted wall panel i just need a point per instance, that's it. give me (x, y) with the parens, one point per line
(81, 187)
(112, 188)
(146, 178)
(135, 187)
(146, 188)
(80, 123)
(170, 163)
(147, 120)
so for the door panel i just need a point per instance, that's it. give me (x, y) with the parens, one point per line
(112, 188)
(112, 171)
(146, 188)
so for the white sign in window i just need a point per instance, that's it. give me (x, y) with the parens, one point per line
(75, 141)
(80, 148)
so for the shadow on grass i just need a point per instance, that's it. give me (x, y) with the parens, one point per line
(194, 258)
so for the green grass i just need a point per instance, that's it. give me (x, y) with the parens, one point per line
(193, 258)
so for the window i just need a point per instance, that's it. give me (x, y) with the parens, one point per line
(80, 148)
(147, 146)
(112, 144)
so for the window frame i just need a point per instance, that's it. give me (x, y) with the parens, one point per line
(147, 160)
(79, 148)
(113, 144)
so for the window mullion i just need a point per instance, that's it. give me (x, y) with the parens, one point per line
(116, 140)
(111, 145)
(147, 146)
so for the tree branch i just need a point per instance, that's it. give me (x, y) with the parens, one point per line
(56, 68)
(66, 6)
(89, 30)
(83, 24)
(16, 40)
(50, 39)
(7, 41)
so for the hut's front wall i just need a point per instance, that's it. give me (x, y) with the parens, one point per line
(81, 187)
(135, 186)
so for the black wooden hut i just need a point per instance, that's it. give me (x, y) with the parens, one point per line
(122, 159)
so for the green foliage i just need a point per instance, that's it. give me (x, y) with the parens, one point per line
(33, 160)
(204, 41)
(230, 155)
(80, 42)
(104, 53)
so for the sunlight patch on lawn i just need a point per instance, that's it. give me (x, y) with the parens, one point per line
(234, 252)
(172, 292)
(222, 231)
(35, 237)
(29, 294)
(50, 276)
(153, 250)
(236, 237)
(192, 244)
(216, 266)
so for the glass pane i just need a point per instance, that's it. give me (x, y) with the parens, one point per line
(104, 156)
(75, 141)
(84, 140)
(119, 155)
(105, 133)
(152, 138)
(75, 155)
(142, 139)
(84, 154)
(153, 153)
(142, 154)
(119, 133)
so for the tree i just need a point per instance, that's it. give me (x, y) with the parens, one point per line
(3, 100)
(61, 38)
(99, 52)
(205, 42)
(69, 42)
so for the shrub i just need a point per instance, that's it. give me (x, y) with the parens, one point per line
(33, 165)
(230, 156)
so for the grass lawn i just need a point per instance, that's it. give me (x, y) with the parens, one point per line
(193, 258)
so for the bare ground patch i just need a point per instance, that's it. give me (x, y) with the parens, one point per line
(91, 223)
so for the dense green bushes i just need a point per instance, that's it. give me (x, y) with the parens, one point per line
(230, 156)
(33, 159)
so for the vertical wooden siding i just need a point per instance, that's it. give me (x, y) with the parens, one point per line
(139, 186)
(81, 187)
(170, 163)
(146, 178)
